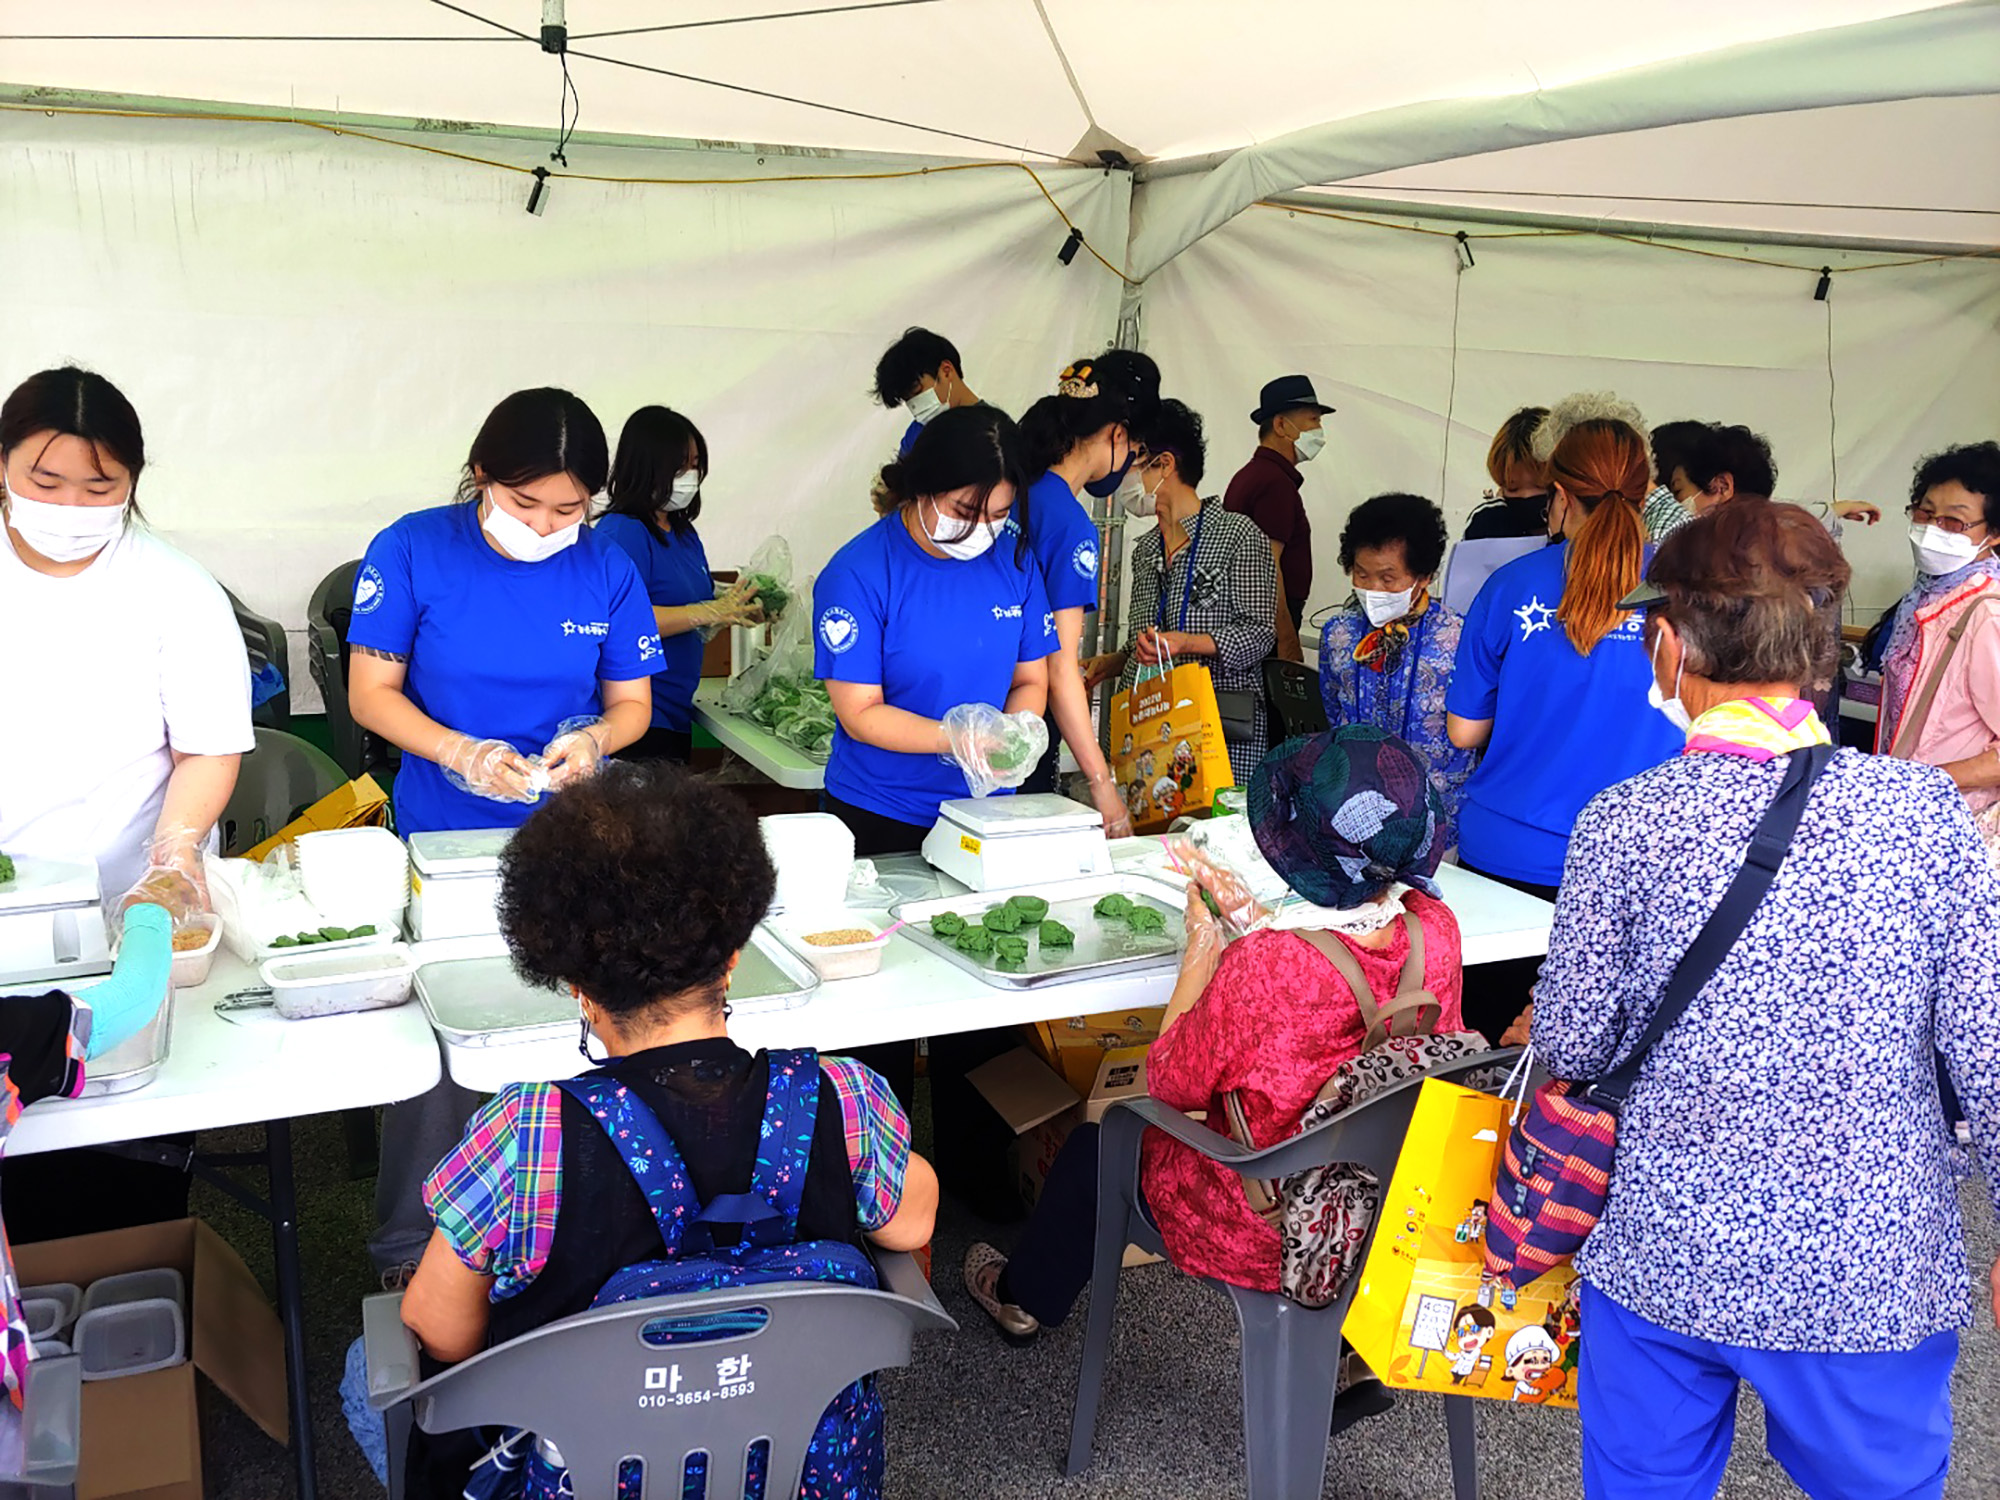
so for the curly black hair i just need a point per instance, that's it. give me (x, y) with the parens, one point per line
(636, 886)
(1410, 519)
(1974, 465)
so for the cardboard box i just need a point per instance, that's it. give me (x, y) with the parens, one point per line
(359, 804)
(1042, 1109)
(1075, 1046)
(142, 1433)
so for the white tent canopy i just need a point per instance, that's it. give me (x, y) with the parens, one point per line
(312, 322)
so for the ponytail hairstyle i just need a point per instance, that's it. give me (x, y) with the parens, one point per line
(1055, 426)
(1601, 464)
(964, 445)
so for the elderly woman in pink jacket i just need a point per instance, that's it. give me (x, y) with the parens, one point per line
(1941, 668)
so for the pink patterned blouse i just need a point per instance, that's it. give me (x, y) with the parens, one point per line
(1275, 1022)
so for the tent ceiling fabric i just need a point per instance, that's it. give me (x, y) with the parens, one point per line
(971, 77)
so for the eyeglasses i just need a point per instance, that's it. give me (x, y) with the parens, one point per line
(1923, 515)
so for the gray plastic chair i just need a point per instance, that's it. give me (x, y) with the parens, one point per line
(265, 641)
(52, 1431)
(328, 614)
(1291, 1354)
(279, 779)
(583, 1383)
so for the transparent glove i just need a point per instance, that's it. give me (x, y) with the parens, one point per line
(735, 605)
(173, 878)
(992, 748)
(1205, 939)
(492, 769)
(1110, 802)
(576, 752)
(1225, 891)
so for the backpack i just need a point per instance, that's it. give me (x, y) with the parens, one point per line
(846, 1455)
(1322, 1214)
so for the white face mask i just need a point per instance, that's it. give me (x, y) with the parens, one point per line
(521, 541)
(1938, 552)
(1136, 498)
(1382, 608)
(1673, 708)
(974, 543)
(924, 405)
(1307, 444)
(686, 487)
(64, 533)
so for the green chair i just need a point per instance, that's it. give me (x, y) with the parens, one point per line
(280, 779)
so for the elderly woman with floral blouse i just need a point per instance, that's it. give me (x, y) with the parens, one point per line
(1782, 1210)
(1386, 658)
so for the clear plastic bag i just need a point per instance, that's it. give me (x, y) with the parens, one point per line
(781, 694)
(992, 748)
(1232, 893)
(770, 569)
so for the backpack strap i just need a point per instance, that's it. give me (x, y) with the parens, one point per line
(784, 1146)
(646, 1149)
(1412, 1011)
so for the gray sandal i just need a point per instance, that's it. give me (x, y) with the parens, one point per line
(983, 1265)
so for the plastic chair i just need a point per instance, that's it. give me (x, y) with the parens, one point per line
(1291, 1354)
(1291, 691)
(280, 779)
(628, 1362)
(328, 614)
(52, 1431)
(267, 644)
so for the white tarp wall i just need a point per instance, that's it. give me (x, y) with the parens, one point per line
(1368, 312)
(312, 327)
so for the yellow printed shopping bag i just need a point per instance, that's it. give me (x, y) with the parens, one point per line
(1426, 1318)
(1167, 751)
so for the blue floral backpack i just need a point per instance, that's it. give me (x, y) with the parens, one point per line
(845, 1460)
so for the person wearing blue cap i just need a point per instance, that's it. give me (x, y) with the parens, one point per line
(1266, 489)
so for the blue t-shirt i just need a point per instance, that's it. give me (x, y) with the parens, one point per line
(1565, 726)
(1064, 540)
(497, 649)
(934, 633)
(909, 440)
(674, 572)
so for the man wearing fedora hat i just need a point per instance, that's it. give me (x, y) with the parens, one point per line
(1267, 491)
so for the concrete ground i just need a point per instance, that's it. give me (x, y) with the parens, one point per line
(972, 1417)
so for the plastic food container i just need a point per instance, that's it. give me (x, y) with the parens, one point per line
(43, 1315)
(318, 983)
(131, 1338)
(160, 1285)
(50, 1349)
(68, 1299)
(191, 964)
(355, 876)
(850, 960)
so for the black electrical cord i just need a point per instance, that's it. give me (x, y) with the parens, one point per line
(776, 15)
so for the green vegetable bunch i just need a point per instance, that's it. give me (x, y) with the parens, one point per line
(6, 869)
(323, 935)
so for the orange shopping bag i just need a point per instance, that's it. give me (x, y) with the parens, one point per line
(1426, 1318)
(1167, 751)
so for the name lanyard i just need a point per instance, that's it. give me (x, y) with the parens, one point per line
(1187, 588)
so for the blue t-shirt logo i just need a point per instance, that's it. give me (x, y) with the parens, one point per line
(840, 630)
(598, 628)
(1006, 611)
(1084, 560)
(368, 591)
(1535, 615)
(649, 647)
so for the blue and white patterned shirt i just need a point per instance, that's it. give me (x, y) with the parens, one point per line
(1782, 1179)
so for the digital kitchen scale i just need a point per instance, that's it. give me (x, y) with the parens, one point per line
(991, 843)
(51, 922)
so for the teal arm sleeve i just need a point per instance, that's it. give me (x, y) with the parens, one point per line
(123, 1004)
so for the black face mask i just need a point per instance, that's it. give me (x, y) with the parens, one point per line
(1106, 487)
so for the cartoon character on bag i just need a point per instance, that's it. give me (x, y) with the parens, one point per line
(1135, 800)
(1488, 1282)
(1167, 796)
(1534, 1365)
(1471, 1332)
(1126, 748)
(1145, 765)
(1473, 1225)
(1183, 768)
(1565, 1322)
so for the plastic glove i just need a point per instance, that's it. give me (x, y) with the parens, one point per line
(173, 879)
(1110, 802)
(492, 769)
(992, 748)
(576, 752)
(1205, 939)
(735, 605)
(1239, 910)
(141, 978)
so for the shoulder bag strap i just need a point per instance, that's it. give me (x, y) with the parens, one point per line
(1917, 712)
(642, 1143)
(1768, 845)
(1413, 1011)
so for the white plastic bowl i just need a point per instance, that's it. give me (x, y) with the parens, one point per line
(354, 875)
(318, 983)
(836, 960)
(191, 965)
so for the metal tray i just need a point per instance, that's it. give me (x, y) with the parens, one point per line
(136, 1061)
(482, 1002)
(1102, 948)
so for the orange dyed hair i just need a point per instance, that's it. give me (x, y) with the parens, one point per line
(1511, 461)
(1603, 466)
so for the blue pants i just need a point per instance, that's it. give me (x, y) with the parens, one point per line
(1659, 1412)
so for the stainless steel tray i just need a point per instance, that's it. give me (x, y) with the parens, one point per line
(136, 1061)
(482, 1002)
(1102, 947)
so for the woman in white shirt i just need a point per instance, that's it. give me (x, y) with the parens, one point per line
(126, 695)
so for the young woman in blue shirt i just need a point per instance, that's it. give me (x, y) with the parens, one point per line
(507, 649)
(656, 498)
